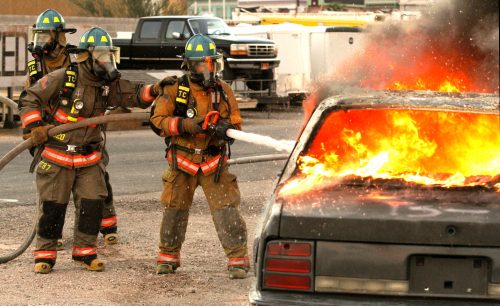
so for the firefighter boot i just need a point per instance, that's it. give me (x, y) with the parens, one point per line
(165, 268)
(111, 238)
(43, 268)
(92, 264)
(237, 272)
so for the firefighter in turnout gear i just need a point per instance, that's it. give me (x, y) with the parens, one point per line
(51, 52)
(48, 46)
(72, 163)
(197, 156)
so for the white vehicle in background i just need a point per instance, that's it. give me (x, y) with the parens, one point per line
(307, 54)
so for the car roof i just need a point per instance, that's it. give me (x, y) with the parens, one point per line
(430, 100)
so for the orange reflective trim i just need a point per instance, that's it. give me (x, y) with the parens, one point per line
(173, 124)
(43, 254)
(82, 160)
(57, 157)
(31, 117)
(146, 94)
(185, 163)
(107, 222)
(162, 257)
(241, 262)
(84, 251)
(210, 165)
(62, 117)
(71, 160)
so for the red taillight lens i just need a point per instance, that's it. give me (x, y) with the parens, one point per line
(287, 282)
(289, 249)
(288, 265)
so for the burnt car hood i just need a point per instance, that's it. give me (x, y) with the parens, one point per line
(458, 217)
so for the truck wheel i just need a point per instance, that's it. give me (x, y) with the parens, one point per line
(264, 83)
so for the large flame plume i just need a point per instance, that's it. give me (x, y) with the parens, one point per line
(454, 47)
(437, 148)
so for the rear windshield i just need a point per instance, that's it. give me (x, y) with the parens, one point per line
(435, 148)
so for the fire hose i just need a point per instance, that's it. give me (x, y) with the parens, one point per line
(139, 116)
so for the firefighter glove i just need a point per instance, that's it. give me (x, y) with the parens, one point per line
(39, 134)
(192, 126)
(220, 130)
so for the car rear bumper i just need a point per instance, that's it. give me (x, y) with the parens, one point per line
(258, 297)
(253, 63)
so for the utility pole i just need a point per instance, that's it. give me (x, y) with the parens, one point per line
(210, 6)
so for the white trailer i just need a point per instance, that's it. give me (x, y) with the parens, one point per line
(306, 54)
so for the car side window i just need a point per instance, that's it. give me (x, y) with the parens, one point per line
(150, 29)
(178, 26)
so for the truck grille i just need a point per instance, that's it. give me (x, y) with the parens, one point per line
(261, 50)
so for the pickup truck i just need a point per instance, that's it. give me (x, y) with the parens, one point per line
(158, 43)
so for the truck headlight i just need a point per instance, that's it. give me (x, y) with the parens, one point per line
(275, 50)
(239, 49)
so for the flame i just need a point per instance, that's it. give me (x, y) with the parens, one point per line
(439, 148)
(420, 84)
(443, 71)
(418, 60)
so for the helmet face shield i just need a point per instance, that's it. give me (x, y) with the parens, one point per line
(204, 70)
(104, 54)
(42, 42)
(104, 62)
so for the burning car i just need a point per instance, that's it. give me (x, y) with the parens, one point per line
(387, 198)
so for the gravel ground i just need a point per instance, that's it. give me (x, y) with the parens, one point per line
(130, 273)
(130, 277)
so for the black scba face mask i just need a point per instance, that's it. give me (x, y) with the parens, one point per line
(104, 65)
(207, 80)
(106, 71)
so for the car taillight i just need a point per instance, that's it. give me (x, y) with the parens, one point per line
(288, 282)
(289, 249)
(289, 265)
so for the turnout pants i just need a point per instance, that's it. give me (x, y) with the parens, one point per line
(55, 184)
(109, 220)
(223, 199)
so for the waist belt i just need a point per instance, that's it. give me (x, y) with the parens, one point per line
(85, 149)
(210, 150)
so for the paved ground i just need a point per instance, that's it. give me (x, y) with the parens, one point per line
(136, 166)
